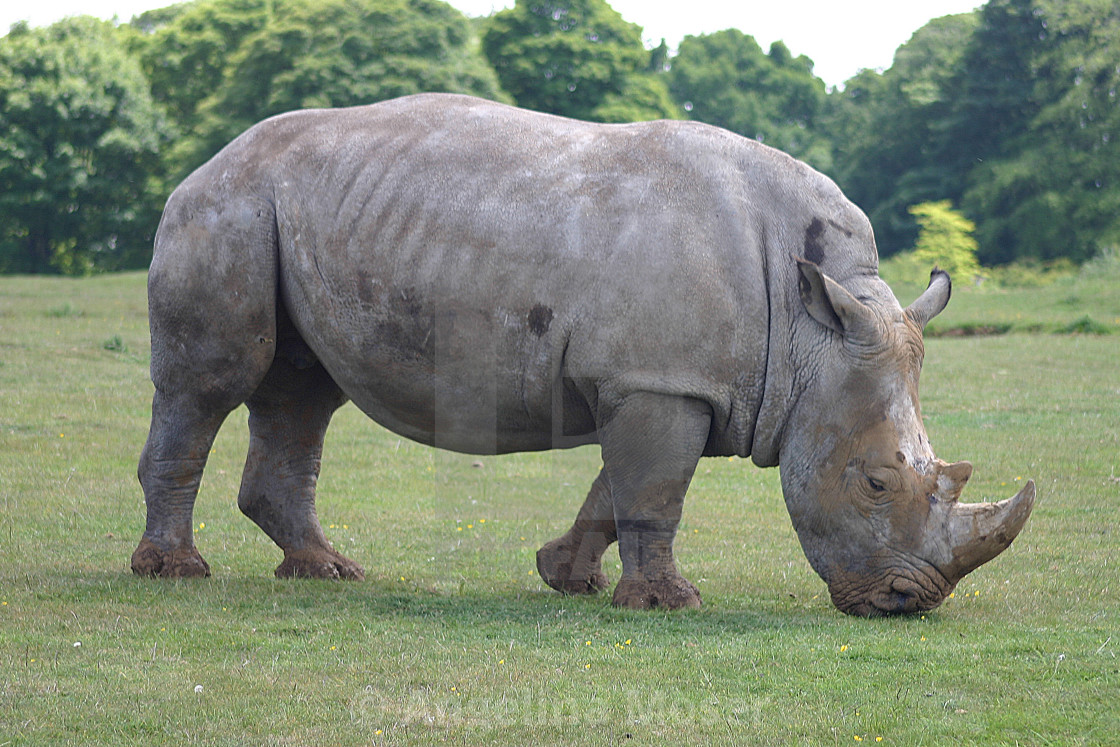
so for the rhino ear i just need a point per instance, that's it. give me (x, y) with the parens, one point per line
(933, 299)
(830, 304)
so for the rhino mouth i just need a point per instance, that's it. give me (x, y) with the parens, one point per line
(893, 593)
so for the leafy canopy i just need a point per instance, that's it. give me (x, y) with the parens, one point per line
(1050, 186)
(726, 80)
(79, 143)
(890, 129)
(250, 59)
(1011, 112)
(577, 58)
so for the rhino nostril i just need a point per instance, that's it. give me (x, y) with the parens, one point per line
(902, 597)
(895, 603)
(905, 603)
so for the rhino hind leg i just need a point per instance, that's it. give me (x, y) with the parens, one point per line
(182, 431)
(651, 444)
(572, 564)
(213, 326)
(288, 418)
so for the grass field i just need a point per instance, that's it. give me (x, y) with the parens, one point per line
(453, 638)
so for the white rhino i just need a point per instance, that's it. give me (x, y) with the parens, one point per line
(488, 280)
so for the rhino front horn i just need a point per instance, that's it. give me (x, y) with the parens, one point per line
(981, 531)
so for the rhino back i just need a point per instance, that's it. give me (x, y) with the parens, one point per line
(487, 279)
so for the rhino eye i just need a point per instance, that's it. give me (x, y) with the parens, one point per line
(877, 486)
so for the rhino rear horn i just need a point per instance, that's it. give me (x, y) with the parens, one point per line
(933, 300)
(951, 480)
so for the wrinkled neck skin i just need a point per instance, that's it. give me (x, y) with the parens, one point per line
(797, 348)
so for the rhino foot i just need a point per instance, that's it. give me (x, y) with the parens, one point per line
(571, 571)
(670, 593)
(319, 563)
(184, 562)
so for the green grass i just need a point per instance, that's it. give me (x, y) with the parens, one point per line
(453, 639)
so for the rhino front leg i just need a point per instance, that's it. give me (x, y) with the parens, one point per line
(573, 563)
(288, 418)
(651, 445)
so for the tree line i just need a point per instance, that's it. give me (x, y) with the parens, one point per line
(1008, 114)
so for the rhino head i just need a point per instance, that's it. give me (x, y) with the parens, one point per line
(878, 515)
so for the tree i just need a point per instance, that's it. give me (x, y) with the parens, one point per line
(577, 58)
(994, 80)
(1051, 186)
(1011, 113)
(945, 240)
(223, 65)
(79, 141)
(185, 49)
(891, 130)
(725, 79)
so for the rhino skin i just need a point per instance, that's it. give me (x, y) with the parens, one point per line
(488, 280)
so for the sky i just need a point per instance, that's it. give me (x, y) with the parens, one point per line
(841, 38)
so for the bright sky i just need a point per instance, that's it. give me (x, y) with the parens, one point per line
(840, 37)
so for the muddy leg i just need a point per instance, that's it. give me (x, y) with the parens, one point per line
(573, 563)
(171, 464)
(288, 418)
(651, 444)
(212, 313)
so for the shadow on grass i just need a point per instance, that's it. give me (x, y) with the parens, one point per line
(294, 605)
